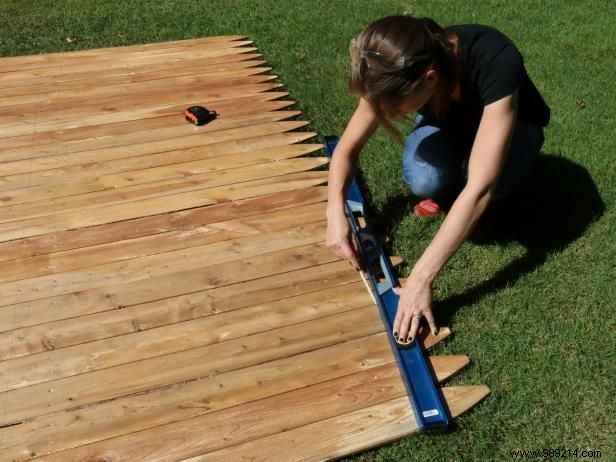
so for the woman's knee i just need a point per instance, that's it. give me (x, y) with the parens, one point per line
(430, 166)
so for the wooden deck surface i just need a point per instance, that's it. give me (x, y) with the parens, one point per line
(165, 290)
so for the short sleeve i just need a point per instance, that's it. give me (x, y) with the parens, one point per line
(502, 74)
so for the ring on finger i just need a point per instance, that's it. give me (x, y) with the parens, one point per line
(417, 315)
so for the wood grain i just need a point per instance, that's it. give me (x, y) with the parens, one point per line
(168, 222)
(341, 435)
(9, 63)
(234, 131)
(247, 271)
(74, 219)
(76, 139)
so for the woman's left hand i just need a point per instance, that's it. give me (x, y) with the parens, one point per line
(415, 302)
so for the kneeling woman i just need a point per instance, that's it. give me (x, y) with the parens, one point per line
(477, 134)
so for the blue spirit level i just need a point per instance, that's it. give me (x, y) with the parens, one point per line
(420, 386)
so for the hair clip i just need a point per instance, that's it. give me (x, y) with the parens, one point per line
(378, 62)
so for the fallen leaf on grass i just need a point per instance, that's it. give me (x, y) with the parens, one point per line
(580, 103)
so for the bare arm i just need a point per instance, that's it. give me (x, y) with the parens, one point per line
(485, 165)
(342, 169)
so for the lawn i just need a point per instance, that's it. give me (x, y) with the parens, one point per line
(534, 307)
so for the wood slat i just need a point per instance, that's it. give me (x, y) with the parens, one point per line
(74, 173)
(140, 345)
(271, 379)
(101, 136)
(122, 109)
(101, 180)
(137, 318)
(159, 243)
(245, 273)
(127, 60)
(331, 389)
(249, 128)
(68, 104)
(157, 205)
(101, 385)
(119, 192)
(158, 265)
(197, 398)
(190, 64)
(9, 63)
(338, 436)
(169, 222)
(15, 125)
(121, 85)
(133, 76)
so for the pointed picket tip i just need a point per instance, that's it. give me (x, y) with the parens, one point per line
(461, 399)
(446, 366)
(428, 340)
(396, 260)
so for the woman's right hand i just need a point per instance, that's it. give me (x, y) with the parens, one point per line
(340, 240)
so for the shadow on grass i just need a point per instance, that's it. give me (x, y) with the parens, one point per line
(557, 205)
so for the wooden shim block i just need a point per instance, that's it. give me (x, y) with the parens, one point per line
(61, 93)
(199, 235)
(121, 61)
(106, 384)
(158, 265)
(10, 63)
(102, 136)
(109, 194)
(139, 345)
(249, 128)
(48, 434)
(339, 436)
(149, 315)
(158, 205)
(136, 111)
(186, 66)
(168, 222)
(277, 268)
(145, 173)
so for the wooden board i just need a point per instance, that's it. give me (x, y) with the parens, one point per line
(166, 291)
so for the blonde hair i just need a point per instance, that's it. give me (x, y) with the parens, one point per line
(389, 60)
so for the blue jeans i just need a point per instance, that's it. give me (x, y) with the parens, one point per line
(434, 166)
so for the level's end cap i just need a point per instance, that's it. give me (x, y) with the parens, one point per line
(461, 399)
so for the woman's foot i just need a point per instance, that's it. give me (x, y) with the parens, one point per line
(426, 208)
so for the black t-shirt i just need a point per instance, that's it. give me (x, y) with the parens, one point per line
(491, 67)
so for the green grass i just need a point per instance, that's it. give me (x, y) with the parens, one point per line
(534, 310)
